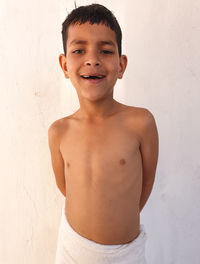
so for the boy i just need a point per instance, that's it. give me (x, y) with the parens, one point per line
(104, 155)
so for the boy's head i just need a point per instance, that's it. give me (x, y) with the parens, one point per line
(92, 46)
(94, 14)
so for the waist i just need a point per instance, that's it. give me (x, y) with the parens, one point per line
(104, 226)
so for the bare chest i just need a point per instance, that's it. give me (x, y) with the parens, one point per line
(102, 157)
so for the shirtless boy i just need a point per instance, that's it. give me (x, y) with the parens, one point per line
(104, 155)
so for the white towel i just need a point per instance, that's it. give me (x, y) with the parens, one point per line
(72, 248)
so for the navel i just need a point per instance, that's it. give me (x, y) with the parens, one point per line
(68, 164)
(122, 161)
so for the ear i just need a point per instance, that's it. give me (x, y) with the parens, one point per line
(63, 65)
(123, 63)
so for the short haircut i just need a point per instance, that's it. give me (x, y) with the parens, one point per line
(94, 14)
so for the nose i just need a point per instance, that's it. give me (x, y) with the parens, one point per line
(92, 64)
(92, 60)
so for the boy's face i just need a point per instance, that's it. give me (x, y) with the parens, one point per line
(91, 50)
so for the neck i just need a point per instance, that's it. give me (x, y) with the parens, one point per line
(97, 110)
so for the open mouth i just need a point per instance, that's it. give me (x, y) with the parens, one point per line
(92, 77)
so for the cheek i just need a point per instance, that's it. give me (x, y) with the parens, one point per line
(71, 66)
(113, 66)
(115, 70)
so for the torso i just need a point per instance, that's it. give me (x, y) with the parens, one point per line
(103, 175)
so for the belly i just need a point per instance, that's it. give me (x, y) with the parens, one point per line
(106, 209)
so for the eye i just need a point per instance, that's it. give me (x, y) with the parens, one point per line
(78, 51)
(107, 51)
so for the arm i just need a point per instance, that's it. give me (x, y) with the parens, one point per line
(149, 152)
(56, 157)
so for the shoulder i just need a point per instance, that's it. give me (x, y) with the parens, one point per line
(53, 133)
(59, 124)
(145, 117)
(142, 121)
(58, 127)
(140, 115)
(54, 129)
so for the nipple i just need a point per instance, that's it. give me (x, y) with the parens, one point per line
(122, 161)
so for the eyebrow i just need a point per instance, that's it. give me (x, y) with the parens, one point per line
(84, 42)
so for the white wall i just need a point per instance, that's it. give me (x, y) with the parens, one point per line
(30, 94)
(161, 39)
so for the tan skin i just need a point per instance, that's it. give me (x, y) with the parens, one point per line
(104, 155)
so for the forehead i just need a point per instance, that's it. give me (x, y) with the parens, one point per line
(90, 33)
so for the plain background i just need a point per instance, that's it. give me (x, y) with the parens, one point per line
(161, 40)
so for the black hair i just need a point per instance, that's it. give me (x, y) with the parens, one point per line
(94, 14)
